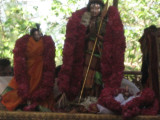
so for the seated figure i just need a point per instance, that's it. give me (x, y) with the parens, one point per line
(32, 85)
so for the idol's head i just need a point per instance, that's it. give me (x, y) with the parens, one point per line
(36, 33)
(95, 7)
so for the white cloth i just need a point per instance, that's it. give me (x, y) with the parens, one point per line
(121, 99)
(103, 110)
(4, 81)
(118, 98)
(132, 89)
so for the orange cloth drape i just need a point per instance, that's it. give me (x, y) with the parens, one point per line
(34, 55)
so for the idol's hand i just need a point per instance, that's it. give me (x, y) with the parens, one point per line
(86, 19)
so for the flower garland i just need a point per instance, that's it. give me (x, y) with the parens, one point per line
(107, 99)
(112, 62)
(20, 69)
(140, 105)
(70, 76)
(20, 66)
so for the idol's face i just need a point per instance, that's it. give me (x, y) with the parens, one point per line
(36, 35)
(95, 9)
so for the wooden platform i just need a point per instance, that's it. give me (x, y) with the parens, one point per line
(133, 76)
(64, 116)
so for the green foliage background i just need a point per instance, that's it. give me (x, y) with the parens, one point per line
(16, 21)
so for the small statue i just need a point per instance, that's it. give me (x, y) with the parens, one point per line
(93, 82)
(126, 93)
(107, 66)
(34, 67)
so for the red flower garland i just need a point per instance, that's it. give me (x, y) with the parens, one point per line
(138, 106)
(20, 66)
(112, 61)
(152, 109)
(20, 69)
(145, 104)
(107, 100)
(71, 73)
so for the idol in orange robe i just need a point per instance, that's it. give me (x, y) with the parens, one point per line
(33, 79)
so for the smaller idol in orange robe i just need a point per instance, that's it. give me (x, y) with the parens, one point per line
(32, 85)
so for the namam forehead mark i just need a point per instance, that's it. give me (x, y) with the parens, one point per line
(96, 5)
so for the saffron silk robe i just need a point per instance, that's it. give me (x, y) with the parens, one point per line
(35, 68)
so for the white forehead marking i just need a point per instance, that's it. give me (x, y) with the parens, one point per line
(95, 5)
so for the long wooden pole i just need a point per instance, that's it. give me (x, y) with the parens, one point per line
(92, 56)
(90, 62)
